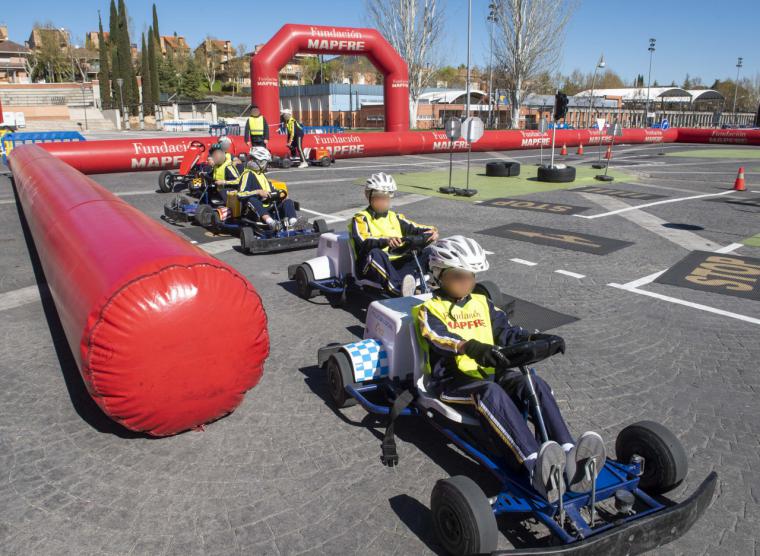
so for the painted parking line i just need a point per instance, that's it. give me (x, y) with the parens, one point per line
(571, 274)
(523, 261)
(729, 248)
(645, 205)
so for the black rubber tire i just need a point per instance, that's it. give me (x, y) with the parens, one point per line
(665, 463)
(166, 181)
(339, 374)
(325, 161)
(203, 215)
(286, 162)
(303, 276)
(320, 226)
(247, 236)
(491, 291)
(556, 175)
(216, 220)
(502, 168)
(463, 520)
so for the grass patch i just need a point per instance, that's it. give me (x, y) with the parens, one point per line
(753, 241)
(719, 153)
(427, 183)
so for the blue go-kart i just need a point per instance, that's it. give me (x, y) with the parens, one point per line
(230, 216)
(622, 514)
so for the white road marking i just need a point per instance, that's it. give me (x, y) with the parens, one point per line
(571, 274)
(488, 252)
(637, 207)
(642, 281)
(523, 261)
(677, 301)
(729, 248)
(19, 297)
(216, 247)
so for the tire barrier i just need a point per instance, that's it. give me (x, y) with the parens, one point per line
(556, 175)
(502, 169)
(141, 307)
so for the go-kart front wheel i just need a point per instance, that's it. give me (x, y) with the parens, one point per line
(166, 181)
(463, 520)
(490, 290)
(339, 374)
(204, 215)
(320, 226)
(665, 463)
(247, 237)
(303, 276)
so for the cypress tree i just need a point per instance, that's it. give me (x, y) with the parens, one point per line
(147, 89)
(156, 34)
(113, 34)
(104, 74)
(153, 66)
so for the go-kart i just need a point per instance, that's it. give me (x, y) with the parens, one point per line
(315, 156)
(232, 217)
(333, 271)
(622, 514)
(193, 171)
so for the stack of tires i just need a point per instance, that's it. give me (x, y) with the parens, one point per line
(502, 169)
(556, 174)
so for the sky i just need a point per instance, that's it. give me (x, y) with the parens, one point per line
(699, 37)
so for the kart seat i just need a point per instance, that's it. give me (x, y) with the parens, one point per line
(428, 401)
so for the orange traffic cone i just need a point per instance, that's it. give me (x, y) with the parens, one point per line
(739, 183)
(580, 149)
(608, 154)
(563, 152)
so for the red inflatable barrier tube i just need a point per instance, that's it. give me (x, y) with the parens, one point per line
(166, 337)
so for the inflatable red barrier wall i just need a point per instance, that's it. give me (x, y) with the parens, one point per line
(133, 155)
(719, 136)
(166, 337)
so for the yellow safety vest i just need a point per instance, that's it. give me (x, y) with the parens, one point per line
(256, 126)
(263, 183)
(221, 170)
(386, 226)
(472, 321)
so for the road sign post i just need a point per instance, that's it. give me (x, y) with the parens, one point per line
(600, 126)
(615, 130)
(472, 131)
(453, 128)
(542, 127)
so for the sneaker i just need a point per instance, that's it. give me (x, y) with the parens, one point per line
(303, 164)
(273, 225)
(292, 222)
(408, 285)
(551, 457)
(590, 447)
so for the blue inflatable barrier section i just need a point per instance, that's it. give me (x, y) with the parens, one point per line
(11, 140)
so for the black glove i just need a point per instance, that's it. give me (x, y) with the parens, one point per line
(481, 353)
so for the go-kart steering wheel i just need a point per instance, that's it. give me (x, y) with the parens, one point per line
(198, 145)
(411, 243)
(537, 348)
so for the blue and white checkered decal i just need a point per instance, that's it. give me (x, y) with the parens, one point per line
(369, 360)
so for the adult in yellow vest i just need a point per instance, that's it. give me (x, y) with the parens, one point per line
(256, 129)
(378, 232)
(294, 135)
(260, 196)
(458, 330)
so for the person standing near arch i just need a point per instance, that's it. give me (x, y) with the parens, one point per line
(256, 129)
(294, 132)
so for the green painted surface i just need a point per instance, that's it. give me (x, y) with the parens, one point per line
(732, 154)
(753, 241)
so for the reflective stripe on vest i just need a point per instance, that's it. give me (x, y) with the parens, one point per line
(261, 183)
(256, 125)
(472, 321)
(386, 226)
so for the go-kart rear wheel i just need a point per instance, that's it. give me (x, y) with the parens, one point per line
(166, 181)
(286, 162)
(303, 276)
(325, 161)
(247, 237)
(203, 215)
(339, 375)
(665, 463)
(462, 517)
(320, 226)
(491, 291)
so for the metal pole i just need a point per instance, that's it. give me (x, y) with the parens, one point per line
(469, 40)
(492, 17)
(736, 87)
(84, 107)
(599, 64)
(649, 79)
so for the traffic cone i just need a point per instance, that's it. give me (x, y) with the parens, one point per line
(608, 154)
(739, 183)
(580, 149)
(563, 152)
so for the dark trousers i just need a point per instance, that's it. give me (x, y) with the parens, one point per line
(296, 148)
(257, 141)
(379, 268)
(502, 407)
(286, 206)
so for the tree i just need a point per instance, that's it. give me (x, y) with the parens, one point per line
(609, 80)
(448, 75)
(310, 68)
(414, 28)
(209, 58)
(156, 33)
(687, 84)
(126, 69)
(192, 83)
(168, 75)
(528, 39)
(104, 73)
(153, 67)
(113, 33)
(147, 89)
(48, 61)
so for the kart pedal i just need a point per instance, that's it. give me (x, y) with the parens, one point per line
(389, 456)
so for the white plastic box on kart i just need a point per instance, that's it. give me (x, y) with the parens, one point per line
(390, 351)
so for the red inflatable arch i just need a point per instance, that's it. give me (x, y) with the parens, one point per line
(292, 39)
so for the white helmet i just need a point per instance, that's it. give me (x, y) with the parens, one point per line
(225, 140)
(382, 183)
(457, 252)
(286, 112)
(261, 154)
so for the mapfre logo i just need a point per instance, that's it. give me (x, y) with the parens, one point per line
(399, 84)
(267, 82)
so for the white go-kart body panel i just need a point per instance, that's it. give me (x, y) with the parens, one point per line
(335, 259)
(390, 349)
